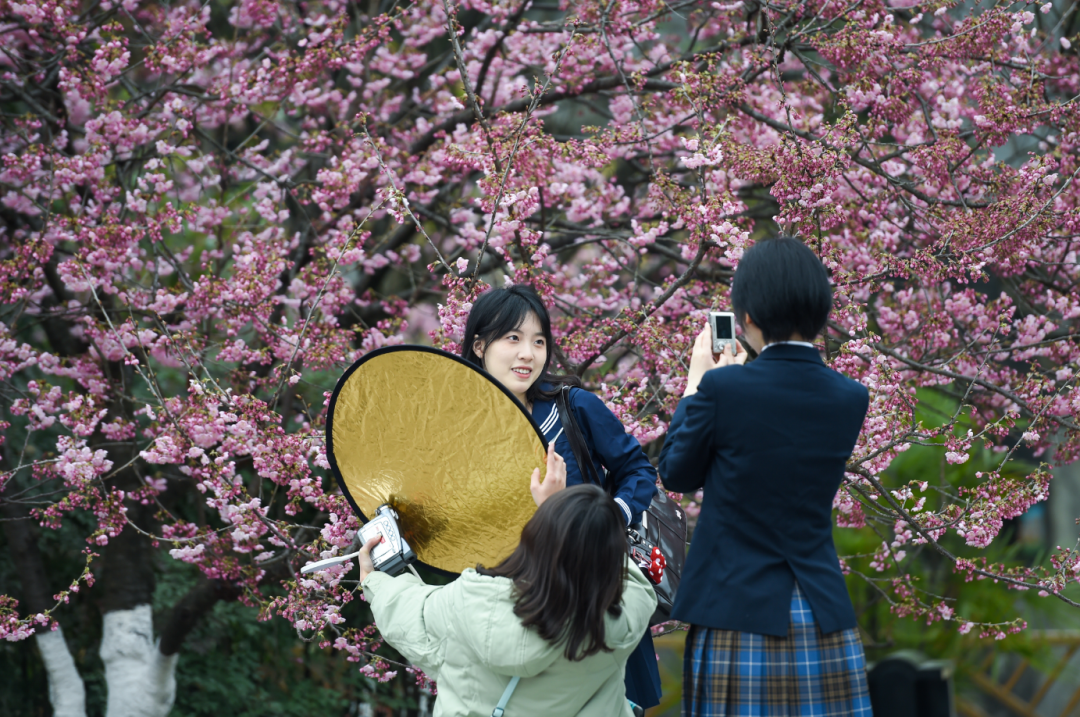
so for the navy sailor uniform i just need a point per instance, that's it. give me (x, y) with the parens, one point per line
(609, 444)
(611, 448)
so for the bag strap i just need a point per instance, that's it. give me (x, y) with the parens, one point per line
(574, 435)
(501, 707)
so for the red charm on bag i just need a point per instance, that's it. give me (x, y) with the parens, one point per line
(652, 564)
(656, 566)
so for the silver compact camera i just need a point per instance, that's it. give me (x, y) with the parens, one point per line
(722, 324)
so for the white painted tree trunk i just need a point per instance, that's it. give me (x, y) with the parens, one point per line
(66, 690)
(141, 681)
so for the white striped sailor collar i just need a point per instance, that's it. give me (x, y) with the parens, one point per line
(552, 418)
(550, 423)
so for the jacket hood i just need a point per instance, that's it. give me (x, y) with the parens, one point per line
(487, 610)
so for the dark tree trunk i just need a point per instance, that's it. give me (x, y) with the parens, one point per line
(186, 614)
(127, 571)
(127, 567)
(22, 536)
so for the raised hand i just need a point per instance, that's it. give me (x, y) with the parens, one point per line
(554, 481)
(703, 359)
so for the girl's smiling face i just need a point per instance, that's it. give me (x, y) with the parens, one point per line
(516, 359)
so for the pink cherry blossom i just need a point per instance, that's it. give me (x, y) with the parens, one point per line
(208, 220)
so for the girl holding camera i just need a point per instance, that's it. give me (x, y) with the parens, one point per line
(508, 334)
(773, 631)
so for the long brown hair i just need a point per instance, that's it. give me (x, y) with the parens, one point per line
(568, 569)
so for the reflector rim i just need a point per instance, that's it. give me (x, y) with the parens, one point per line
(332, 460)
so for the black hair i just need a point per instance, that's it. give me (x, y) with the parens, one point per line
(498, 312)
(568, 569)
(784, 288)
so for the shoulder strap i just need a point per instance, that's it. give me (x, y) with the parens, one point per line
(577, 440)
(501, 707)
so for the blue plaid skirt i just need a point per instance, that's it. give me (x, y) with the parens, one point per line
(806, 674)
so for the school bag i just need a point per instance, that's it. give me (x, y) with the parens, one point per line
(658, 543)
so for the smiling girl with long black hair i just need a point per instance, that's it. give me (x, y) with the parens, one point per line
(508, 334)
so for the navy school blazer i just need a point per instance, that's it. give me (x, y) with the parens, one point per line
(610, 445)
(768, 443)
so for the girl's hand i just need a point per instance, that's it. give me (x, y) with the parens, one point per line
(702, 359)
(554, 481)
(363, 560)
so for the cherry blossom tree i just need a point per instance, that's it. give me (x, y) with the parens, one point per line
(210, 208)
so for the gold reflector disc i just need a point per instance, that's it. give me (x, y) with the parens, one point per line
(443, 443)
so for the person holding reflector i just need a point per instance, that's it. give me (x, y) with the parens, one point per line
(545, 632)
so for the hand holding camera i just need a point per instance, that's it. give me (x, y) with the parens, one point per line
(384, 547)
(363, 559)
(714, 347)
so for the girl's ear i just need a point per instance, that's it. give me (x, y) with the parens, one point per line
(478, 349)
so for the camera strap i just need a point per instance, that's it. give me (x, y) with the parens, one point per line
(501, 707)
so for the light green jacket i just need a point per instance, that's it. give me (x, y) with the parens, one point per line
(467, 638)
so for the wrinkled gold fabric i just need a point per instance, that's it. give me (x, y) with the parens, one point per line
(446, 448)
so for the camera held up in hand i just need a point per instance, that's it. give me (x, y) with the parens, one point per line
(392, 554)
